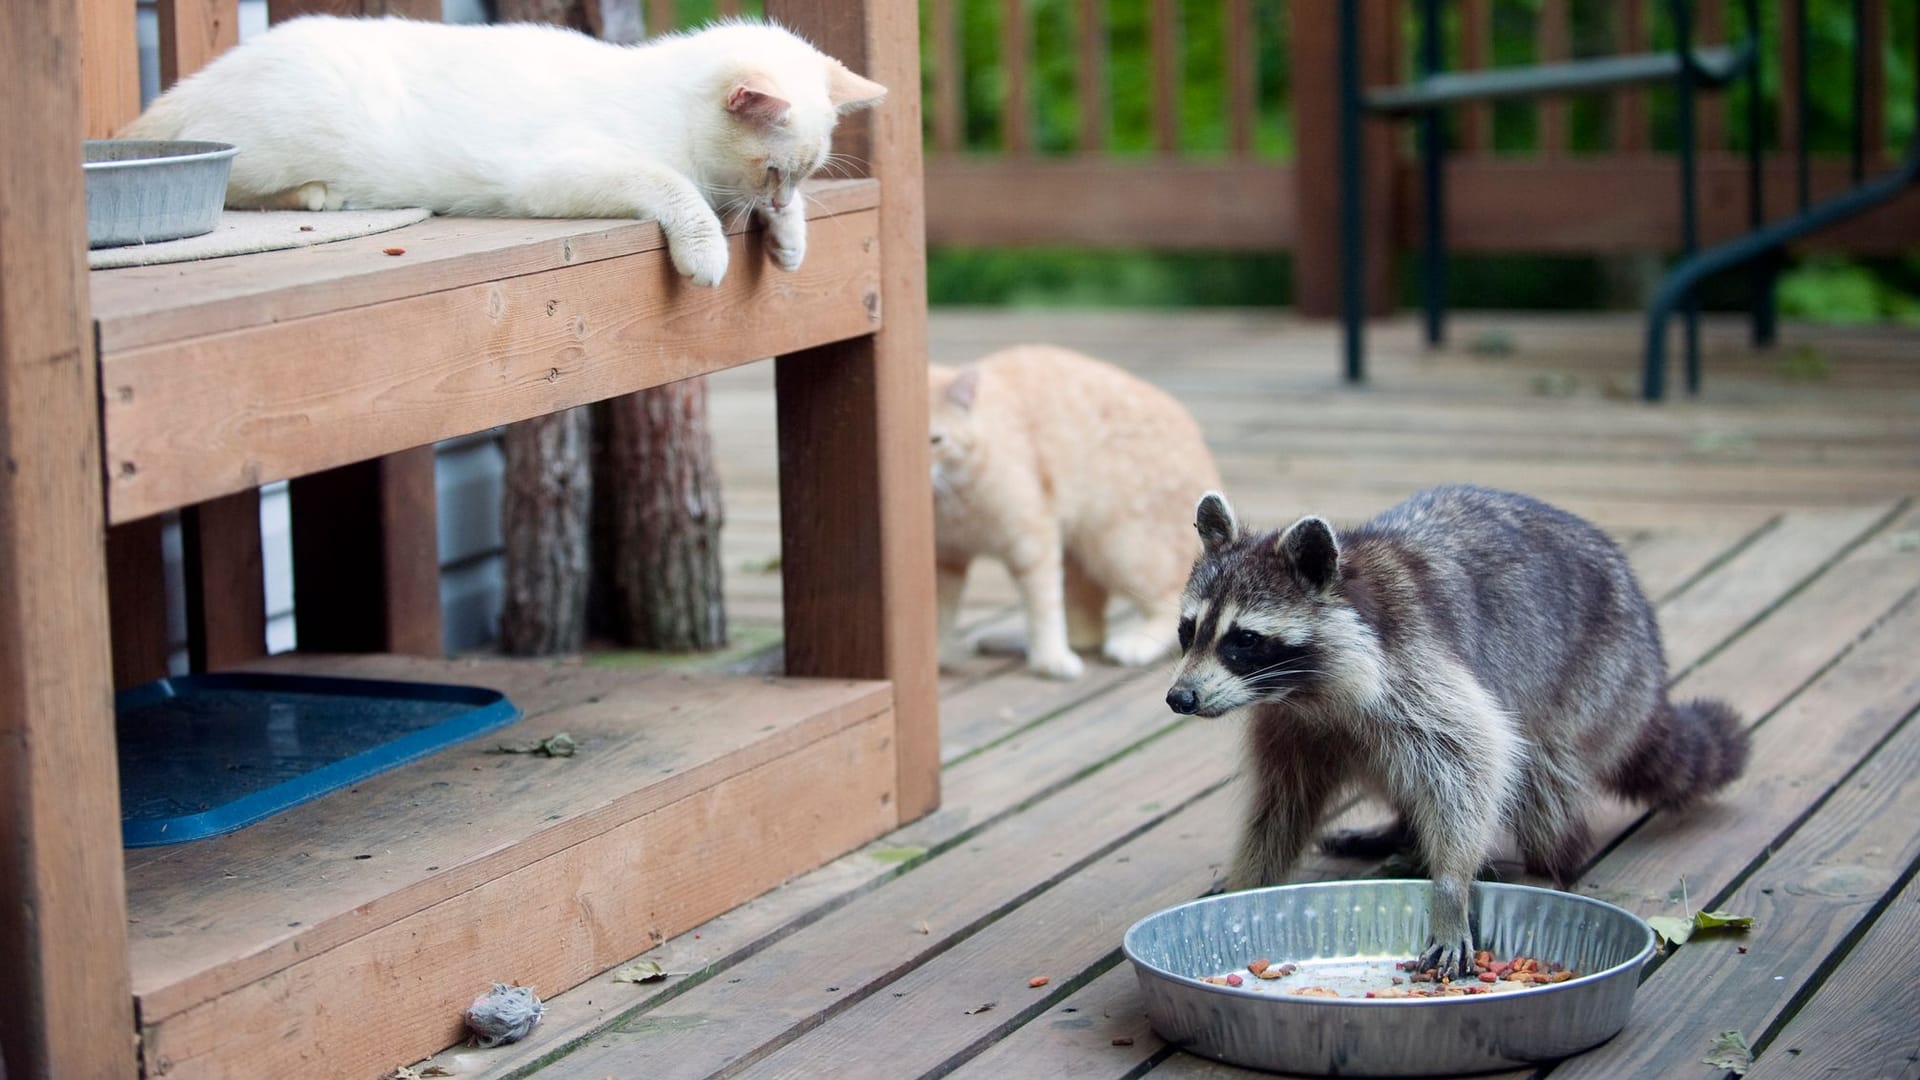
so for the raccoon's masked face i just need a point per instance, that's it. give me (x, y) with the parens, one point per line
(1248, 619)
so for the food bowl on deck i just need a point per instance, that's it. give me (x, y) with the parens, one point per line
(142, 191)
(1340, 926)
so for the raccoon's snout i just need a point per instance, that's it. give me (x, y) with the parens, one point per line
(1182, 700)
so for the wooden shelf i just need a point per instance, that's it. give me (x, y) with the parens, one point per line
(353, 930)
(222, 375)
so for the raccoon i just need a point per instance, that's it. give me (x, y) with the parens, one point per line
(1478, 659)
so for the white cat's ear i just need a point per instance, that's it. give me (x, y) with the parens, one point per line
(756, 100)
(964, 386)
(848, 91)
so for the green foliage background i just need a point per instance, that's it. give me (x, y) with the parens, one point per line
(1819, 287)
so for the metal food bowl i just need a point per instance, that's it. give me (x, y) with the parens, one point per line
(142, 191)
(1341, 925)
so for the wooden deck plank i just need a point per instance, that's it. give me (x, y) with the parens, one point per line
(1861, 1021)
(978, 791)
(148, 305)
(1060, 932)
(854, 953)
(214, 915)
(188, 421)
(1814, 886)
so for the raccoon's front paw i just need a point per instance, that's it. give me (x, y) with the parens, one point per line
(1136, 647)
(1452, 958)
(701, 256)
(787, 236)
(1060, 664)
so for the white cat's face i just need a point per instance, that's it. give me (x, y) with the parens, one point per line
(779, 128)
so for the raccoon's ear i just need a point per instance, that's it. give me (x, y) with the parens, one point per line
(964, 386)
(1215, 521)
(1309, 545)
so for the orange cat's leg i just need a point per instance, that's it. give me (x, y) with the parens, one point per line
(1086, 608)
(951, 581)
(1040, 577)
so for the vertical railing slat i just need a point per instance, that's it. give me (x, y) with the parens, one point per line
(1164, 31)
(1554, 41)
(1790, 77)
(193, 32)
(1629, 104)
(1091, 76)
(946, 78)
(660, 17)
(1016, 108)
(1710, 28)
(1239, 40)
(1873, 81)
(1476, 52)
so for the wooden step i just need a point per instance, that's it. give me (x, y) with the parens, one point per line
(354, 929)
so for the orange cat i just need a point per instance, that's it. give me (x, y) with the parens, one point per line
(1080, 478)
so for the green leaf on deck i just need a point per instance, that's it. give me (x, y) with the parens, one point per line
(1730, 1052)
(1905, 541)
(644, 971)
(896, 855)
(1675, 930)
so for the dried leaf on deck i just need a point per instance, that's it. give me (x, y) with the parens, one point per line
(981, 1008)
(561, 745)
(1730, 1052)
(646, 971)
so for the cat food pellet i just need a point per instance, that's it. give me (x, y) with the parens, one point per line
(1038, 981)
(1123, 1040)
(1259, 967)
(306, 228)
(1488, 976)
(394, 251)
(1235, 980)
(1315, 991)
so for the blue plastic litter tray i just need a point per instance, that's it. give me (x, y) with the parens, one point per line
(203, 755)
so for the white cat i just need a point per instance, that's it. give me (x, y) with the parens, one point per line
(525, 121)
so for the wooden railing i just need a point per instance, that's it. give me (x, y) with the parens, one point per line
(1606, 184)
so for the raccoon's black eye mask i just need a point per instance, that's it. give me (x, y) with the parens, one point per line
(1186, 634)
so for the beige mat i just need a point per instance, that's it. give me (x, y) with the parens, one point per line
(241, 232)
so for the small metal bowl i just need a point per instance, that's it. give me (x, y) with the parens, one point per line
(143, 191)
(1378, 922)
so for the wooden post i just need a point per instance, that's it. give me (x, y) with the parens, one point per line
(856, 506)
(366, 554)
(66, 1004)
(1316, 123)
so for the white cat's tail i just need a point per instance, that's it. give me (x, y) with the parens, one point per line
(162, 120)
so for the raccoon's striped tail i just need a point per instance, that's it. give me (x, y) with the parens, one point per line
(1684, 753)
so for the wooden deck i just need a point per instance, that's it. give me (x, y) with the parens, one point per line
(1773, 520)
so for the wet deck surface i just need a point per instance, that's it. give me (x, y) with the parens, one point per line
(1773, 520)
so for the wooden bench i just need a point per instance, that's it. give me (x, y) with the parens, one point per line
(341, 937)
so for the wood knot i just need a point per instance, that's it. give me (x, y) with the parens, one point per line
(871, 301)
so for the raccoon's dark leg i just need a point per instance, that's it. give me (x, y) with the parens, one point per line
(1550, 823)
(1293, 779)
(1377, 843)
(1086, 608)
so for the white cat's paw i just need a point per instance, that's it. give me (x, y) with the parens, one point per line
(1136, 647)
(1063, 664)
(701, 257)
(787, 237)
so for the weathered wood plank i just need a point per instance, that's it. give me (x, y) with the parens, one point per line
(1629, 104)
(448, 824)
(1090, 79)
(147, 305)
(64, 1003)
(1163, 43)
(1553, 41)
(137, 602)
(109, 66)
(549, 924)
(1016, 108)
(855, 495)
(225, 588)
(188, 421)
(1240, 42)
(948, 135)
(1104, 203)
(855, 952)
(1819, 879)
(1476, 52)
(193, 32)
(1861, 1022)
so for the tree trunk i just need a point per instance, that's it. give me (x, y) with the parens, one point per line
(545, 513)
(667, 518)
